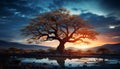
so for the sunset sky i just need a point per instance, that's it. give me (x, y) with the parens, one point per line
(104, 15)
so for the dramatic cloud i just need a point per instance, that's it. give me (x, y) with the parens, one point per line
(99, 20)
(111, 6)
(103, 14)
(109, 26)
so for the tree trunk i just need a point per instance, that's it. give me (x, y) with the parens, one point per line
(61, 47)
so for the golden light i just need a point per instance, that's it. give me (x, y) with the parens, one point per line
(101, 40)
(81, 46)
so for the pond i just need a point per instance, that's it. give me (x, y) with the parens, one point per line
(59, 63)
(74, 62)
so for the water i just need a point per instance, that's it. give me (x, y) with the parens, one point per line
(74, 62)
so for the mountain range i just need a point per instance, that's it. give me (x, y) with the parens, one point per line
(112, 47)
(6, 45)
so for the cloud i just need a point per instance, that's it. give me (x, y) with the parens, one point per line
(102, 23)
(14, 14)
(24, 7)
(99, 20)
(111, 6)
(10, 26)
(7, 5)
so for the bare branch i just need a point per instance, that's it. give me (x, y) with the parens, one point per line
(59, 24)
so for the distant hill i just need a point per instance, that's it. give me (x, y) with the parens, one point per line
(5, 45)
(113, 47)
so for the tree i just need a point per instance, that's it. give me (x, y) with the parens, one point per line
(59, 25)
(103, 50)
(13, 49)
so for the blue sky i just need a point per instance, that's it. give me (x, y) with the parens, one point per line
(103, 14)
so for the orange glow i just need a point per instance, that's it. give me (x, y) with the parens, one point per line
(101, 40)
(81, 46)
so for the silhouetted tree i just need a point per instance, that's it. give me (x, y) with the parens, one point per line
(59, 25)
(51, 50)
(13, 49)
(103, 50)
(90, 52)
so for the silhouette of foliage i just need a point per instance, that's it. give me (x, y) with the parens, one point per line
(59, 25)
(103, 50)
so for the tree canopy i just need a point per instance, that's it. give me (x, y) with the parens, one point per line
(59, 25)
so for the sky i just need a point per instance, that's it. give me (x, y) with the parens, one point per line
(102, 14)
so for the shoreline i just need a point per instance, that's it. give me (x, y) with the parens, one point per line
(15, 61)
(58, 56)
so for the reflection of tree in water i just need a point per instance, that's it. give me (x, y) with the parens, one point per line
(60, 61)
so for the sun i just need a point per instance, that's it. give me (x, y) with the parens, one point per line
(81, 46)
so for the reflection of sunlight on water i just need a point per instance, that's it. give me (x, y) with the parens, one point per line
(113, 61)
(89, 59)
(44, 60)
(81, 61)
(71, 62)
